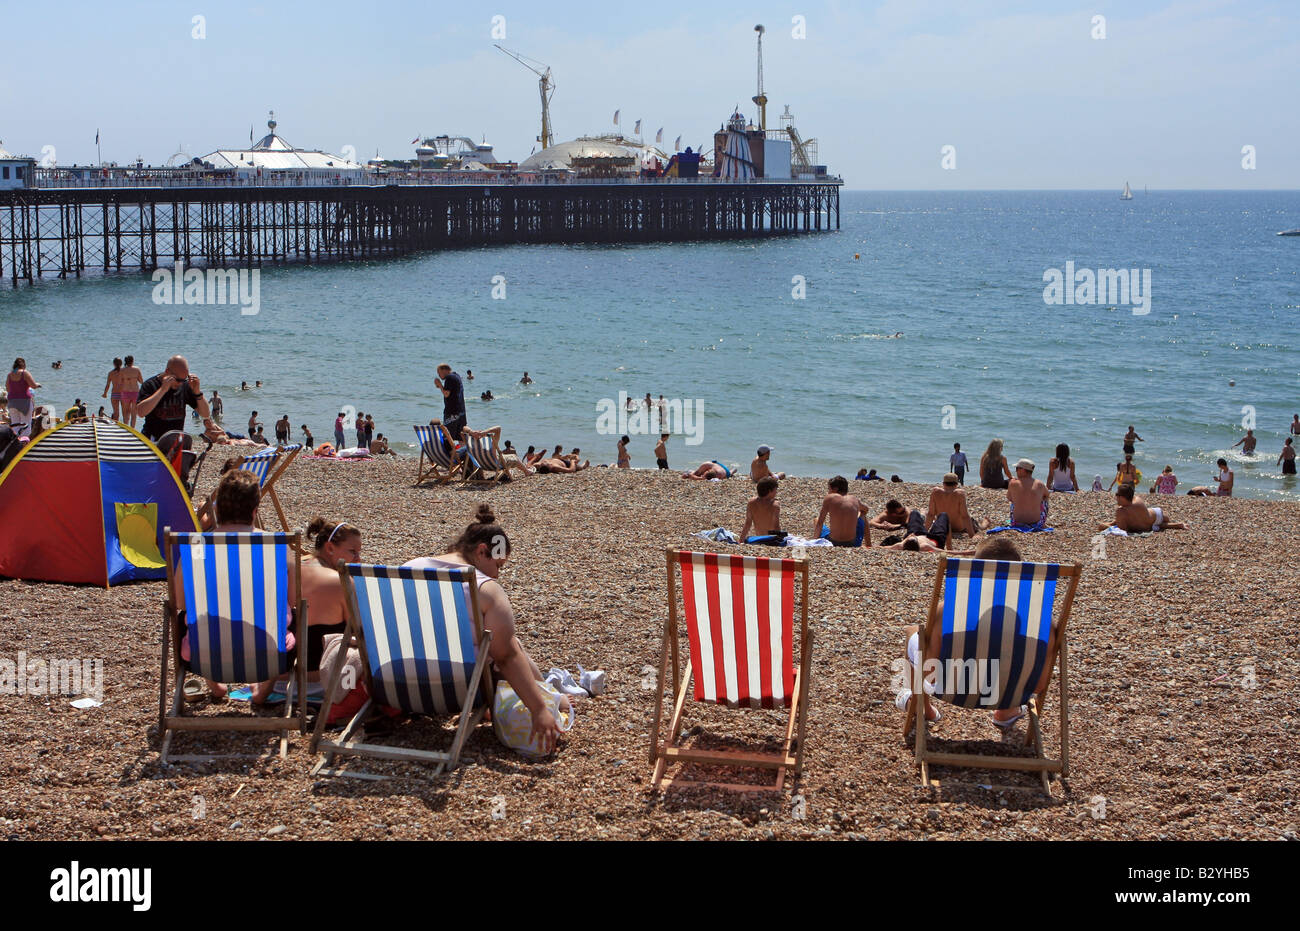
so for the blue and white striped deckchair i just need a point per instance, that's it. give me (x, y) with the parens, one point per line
(486, 462)
(436, 445)
(268, 468)
(236, 591)
(423, 650)
(996, 623)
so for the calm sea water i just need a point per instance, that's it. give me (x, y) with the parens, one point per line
(822, 379)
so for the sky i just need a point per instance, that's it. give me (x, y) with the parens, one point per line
(1028, 95)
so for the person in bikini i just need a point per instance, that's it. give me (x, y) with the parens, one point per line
(1133, 516)
(624, 460)
(1126, 473)
(846, 515)
(128, 388)
(763, 514)
(114, 377)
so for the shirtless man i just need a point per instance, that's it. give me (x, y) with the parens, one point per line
(1225, 479)
(1028, 497)
(762, 513)
(661, 451)
(892, 518)
(707, 470)
(1133, 516)
(923, 544)
(1295, 424)
(846, 513)
(950, 498)
(1247, 443)
(1129, 438)
(758, 468)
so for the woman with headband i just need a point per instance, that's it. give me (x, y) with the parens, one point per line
(331, 543)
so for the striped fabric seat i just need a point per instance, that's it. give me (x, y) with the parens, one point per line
(745, 652)
(236, 604)
(739, 612)
(997, 622)
(261, 464)
(485, 454)
(419, 634)
(432, 439)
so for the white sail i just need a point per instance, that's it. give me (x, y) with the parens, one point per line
(1128, 193)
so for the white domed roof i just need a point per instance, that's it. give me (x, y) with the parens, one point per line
(561, 154)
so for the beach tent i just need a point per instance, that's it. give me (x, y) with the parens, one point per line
(87, 503)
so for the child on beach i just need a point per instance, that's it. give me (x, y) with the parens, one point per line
(661, 451)
(957, 463)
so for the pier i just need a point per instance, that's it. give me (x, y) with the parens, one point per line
(139, 224)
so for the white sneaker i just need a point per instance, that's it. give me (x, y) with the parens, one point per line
(562, 679)
(593, 680)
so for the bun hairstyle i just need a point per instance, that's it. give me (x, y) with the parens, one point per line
(484, 530)
(321, 531)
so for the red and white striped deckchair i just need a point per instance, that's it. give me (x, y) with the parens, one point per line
(739, 613)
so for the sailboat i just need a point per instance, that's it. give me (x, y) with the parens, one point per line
(1127, 194)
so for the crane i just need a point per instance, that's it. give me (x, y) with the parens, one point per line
(546, 87)
(760, 98)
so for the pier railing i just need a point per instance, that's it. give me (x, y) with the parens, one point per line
(47, 179)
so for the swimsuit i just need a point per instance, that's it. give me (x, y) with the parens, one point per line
(1159, 519)
(1165, 484)
(724, 468)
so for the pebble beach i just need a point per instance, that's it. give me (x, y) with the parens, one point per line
(1183, 657)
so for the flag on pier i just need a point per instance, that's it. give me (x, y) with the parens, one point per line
(415, 140)
(616, 117)
(637, 131)
(677, 146)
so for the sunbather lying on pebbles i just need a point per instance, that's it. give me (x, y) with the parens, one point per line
(1133, 516)
(707, 470)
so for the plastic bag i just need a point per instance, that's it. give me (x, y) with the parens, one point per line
(513, 722)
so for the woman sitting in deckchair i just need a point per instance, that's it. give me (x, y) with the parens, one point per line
(234, 511)
(485, 546)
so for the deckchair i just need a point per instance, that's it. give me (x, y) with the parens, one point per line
(996, 623)
(486, 463)
(236, 598)
(268, 468)
(423, 650)
(739, 613)
(435, 446)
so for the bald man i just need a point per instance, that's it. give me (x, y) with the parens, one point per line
(164, 397)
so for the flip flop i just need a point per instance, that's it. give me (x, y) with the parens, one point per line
(1010, 722)
(194, 691)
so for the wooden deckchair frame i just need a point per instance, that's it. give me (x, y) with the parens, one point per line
(346, 745)
(174, 630)
(661, 757)
(1040, 762)
(267, 488)
(435, 471)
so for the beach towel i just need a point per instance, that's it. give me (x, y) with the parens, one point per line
(718, 535)
(1040, 527)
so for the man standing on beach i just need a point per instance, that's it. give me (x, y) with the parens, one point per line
(758, 469)
(958, 463)
(453, 400)
(164, 397)
(846, 514)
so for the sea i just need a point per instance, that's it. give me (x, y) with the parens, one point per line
(927, 319)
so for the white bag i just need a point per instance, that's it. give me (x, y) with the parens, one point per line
(513, 722)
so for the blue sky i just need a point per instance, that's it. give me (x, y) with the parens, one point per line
(1025, 94)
